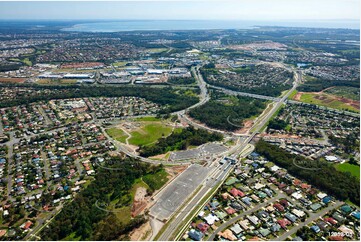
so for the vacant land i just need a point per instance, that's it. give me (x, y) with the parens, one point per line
(328, 100)
(149, 132)
(12, 80)
(346, 167)
(345, 92)
(56, 82)
(117, 134)
(293, 94)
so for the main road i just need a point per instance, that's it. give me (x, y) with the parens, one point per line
(234, 152)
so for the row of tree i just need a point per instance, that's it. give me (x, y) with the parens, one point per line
(180, 141)
(318, 173)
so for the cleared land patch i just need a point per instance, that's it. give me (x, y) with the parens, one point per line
(345, 92)
(328, 100)
(149, 132)
(117, 134)
(12, 80)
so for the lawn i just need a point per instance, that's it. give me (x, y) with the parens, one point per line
(117, 134)
(119, 63)
(147, 119)
(346, 167)
(293, 94)
(149, 133)
(326, 100)
(26, 61)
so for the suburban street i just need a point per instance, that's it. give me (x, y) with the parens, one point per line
(233, 152)
(242, 214)
(313, 216)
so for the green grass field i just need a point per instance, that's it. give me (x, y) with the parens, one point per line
(119, 63)
(123, 214)
(346, 167)
(149, 119)
(293, 94)
(117, 134)
(157, 180)
(26, 61)
(149, 133)
(328, 101)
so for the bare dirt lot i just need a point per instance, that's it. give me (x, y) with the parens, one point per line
(141, 233)
(12, 80)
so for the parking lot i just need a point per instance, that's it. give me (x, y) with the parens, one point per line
(205, 150)
(170, 199)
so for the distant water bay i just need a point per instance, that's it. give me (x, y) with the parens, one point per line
(138, 25)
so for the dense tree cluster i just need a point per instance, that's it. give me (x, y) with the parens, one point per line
(321, 84)
(278, 124)
(10, 67)
(180, 141)
(228, 117)
(83, 217)
(181, 80)
(172, 99)
(318, 173)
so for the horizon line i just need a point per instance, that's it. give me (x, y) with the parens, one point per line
(127, 19)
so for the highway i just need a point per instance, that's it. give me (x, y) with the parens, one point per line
(234, 152)
(204, 95)
(217, 174)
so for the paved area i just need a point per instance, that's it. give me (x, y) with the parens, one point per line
(212, 148)
(185, 155)
(203, 151)
(173, 196)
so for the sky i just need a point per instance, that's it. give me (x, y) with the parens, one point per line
(187, 10)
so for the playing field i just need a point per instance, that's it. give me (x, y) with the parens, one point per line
(346, 167)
